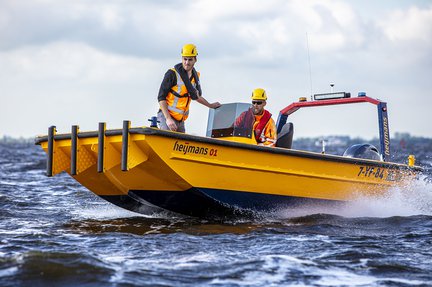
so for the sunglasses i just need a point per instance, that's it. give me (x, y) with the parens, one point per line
(259, 103)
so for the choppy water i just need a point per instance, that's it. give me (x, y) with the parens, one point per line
(53, 232)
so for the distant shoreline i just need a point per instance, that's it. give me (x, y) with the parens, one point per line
(21, 140)
(395, 137)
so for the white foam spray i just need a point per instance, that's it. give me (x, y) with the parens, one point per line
(106, 211)
(415, 199)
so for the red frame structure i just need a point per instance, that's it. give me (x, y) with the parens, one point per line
(383, 123)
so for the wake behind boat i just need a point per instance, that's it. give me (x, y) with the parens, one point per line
(225, 173)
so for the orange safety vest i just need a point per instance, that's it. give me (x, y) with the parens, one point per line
(178, 99)
(265, 129)
(263, 126)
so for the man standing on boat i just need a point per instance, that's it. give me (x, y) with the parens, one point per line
(264, 127)
(180, 85)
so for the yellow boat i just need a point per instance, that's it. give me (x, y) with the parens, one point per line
(225, 173)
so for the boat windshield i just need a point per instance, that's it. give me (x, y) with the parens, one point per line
(230, 120)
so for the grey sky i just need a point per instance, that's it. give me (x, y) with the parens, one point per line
(83, 62)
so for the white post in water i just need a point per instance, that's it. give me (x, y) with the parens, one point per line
(323, 143)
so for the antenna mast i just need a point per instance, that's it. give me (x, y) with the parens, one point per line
(310, 67)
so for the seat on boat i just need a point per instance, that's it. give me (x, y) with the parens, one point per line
(285, 136)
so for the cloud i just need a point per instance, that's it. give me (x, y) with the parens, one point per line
(409, 33)
(406, 25)
(78, 61)
(270, 30)
(143, 28)
(68, 83)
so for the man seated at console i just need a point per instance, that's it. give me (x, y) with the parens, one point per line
(259, 120)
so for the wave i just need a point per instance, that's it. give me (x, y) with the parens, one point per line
(415, 199)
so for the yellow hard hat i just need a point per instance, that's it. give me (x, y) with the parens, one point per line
(259, 94)
(189, 50)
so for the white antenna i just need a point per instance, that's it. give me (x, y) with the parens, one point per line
(331, 87)
(310, 67)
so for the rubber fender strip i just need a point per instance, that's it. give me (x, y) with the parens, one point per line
(74, 149)
(101, 147)
(125, 145)
(50, 160)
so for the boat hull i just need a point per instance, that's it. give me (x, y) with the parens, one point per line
(216, 203)
(202, 177)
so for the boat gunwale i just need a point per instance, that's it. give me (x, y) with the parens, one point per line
(207, 140)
